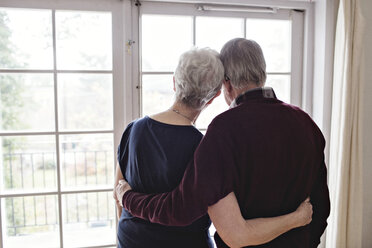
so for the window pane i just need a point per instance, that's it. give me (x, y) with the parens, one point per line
(85, 101)
(87, 160)
(88, 219)
(218, 106)
(26, 39)
(164, 39)
(28, 162)
(84, 40)
(281, 85)
(274, 37)
(214, 32)
(31, 221)
(27, 102)
(157, 93)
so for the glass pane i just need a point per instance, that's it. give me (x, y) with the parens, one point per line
(164, 39)
(27, 102)
(88, 219)
(218, 106)
(31, 221)
(85, 101)
(84, 40)
(26, 39)
(281, 85)
(157, 93)
(274, 37)
(87, 160)
(28, 162)
(214, 32)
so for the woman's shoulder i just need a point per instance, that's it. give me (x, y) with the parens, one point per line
(130, 126)
(154, 126)
(137, 122)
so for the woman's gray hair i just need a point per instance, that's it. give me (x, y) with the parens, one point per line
(198, 77)
(244, 62)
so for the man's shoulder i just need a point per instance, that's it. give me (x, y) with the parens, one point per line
(307, 120)
(304, 115)
(223, 119)
(243, 114)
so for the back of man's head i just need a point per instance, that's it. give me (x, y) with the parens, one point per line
(244, 63)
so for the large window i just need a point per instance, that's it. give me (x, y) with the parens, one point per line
(57, 123)
(74, 72)
(167, 31)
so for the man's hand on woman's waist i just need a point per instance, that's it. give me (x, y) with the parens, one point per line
(122, 187)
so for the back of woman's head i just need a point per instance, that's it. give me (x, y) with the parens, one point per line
(198, 77)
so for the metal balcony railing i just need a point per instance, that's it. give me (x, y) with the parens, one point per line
(38, 170)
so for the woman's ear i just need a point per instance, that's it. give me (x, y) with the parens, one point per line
(218, 93)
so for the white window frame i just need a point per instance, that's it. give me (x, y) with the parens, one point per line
(122, 92)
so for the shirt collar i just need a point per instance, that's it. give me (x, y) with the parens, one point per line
(264, 92)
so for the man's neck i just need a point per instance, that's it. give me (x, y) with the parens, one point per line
(238, 92)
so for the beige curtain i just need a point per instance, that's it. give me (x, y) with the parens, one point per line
(345, 166)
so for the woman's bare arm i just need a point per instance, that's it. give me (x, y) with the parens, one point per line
(118, 176)
(238, 232)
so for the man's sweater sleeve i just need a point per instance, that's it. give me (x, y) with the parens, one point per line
(321, 203)
(205, 182)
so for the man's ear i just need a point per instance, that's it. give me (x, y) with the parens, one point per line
(218, 93)
(227, 86)
(174, 84)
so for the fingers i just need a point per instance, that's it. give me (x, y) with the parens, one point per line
(310, 209)
(122, 181)
(119, 191)
(305, 211)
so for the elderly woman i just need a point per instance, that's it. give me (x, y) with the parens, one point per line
(154, 153)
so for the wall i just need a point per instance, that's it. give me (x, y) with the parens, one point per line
(367, 125)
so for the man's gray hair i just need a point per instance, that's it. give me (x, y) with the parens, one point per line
(198, 77)
(244, 62)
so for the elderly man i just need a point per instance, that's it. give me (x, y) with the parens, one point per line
(269, 153)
